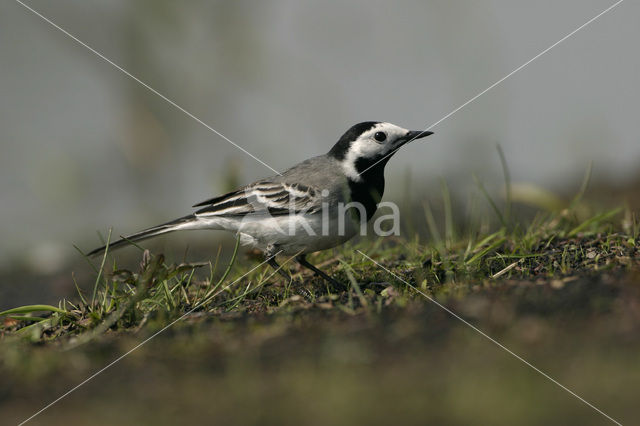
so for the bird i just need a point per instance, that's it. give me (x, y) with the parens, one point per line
(306, 208)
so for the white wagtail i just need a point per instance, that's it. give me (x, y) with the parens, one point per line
(302, 210)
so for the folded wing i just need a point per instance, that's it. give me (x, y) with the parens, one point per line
(268, 198)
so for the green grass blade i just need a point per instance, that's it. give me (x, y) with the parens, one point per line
(490, 200)
(226, 272)
(482, 253)
(594, 220)
(104, 259)
(73, 277)
(583, 187)
(26, 318)
(507, 184)
(431, 223)
(33, 308)
(449, 233)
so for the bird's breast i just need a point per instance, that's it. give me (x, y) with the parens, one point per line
(368, 194)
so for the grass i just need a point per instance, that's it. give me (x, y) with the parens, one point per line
(552, 246)
(558, 286)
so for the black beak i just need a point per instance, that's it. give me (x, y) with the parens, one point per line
(416, 134)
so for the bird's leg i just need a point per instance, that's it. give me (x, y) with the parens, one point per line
(298, 287)
(302, 260)
(272, 261)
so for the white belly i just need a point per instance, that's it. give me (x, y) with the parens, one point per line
(288, 234)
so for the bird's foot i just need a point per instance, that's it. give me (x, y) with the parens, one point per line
(301, 290)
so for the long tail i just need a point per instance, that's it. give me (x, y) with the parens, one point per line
(185, 222)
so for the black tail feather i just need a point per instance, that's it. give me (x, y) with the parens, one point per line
(145, 234)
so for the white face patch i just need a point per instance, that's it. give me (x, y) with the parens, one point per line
(366, 146)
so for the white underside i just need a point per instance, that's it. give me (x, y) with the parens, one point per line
(288, 235)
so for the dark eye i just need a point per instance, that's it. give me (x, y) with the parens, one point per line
(380, 136)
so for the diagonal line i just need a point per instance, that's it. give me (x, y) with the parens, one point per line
(500, 345)
(139, 345)
(502, 79)
(145, 85)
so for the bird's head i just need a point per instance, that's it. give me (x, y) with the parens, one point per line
(369, 145)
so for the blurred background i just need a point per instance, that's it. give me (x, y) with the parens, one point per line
(85, 148)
